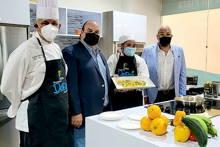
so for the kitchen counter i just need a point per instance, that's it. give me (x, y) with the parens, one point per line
(3, 113)
(213, 98)
(9, 136)
(101, 133)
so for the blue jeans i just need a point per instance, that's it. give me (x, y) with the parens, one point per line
(78, 137)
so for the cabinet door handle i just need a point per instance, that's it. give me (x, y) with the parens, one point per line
(1, 59)
(4, 45)
(1, 66)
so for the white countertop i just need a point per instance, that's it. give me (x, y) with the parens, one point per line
(101, 133)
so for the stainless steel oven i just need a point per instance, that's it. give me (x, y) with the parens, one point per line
(10, 38)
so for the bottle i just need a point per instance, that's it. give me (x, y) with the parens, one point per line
(216, 86)
(208, 89)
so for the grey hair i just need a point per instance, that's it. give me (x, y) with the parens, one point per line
(164, 26)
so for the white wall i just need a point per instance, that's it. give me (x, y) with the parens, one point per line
(151, 8)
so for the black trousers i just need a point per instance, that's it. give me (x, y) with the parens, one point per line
(107, 108)
(165, 95)
(24, 139)
(127, 100)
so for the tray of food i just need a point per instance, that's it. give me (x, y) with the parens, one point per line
(190, 101)
(134, 82)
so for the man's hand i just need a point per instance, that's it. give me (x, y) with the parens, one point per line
(146, 100)
(121, 91)
(76, 120)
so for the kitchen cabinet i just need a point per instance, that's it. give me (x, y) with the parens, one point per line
(128, 23)
(116, 24)
(76, 18)
(14, 12)
(70, 19)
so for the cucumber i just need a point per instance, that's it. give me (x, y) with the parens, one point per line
(197, 130)
(200, 121)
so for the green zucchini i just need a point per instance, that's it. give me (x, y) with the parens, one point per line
(197, 130)
(200, 121)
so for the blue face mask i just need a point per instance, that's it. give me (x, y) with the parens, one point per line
(129, 51)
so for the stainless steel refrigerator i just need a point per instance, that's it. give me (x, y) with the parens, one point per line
(10, 38)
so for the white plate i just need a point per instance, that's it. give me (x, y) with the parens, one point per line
(149, 83)
(130, 125)
(137, 116)
(111, 115)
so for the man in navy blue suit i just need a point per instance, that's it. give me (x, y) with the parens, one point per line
(88, 80)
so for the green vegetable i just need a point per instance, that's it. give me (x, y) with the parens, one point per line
(205, 119)
(200, 121)
(212, 131)
(197, 130)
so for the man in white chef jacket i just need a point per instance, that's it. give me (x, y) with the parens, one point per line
(34, 81)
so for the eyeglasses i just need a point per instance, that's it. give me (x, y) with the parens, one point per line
(164, 34)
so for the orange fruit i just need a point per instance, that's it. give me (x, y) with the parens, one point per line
(164, 118)
(154, 111)
(145, 123)
(158, 126)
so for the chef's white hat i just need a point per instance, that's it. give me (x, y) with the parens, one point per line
(47, 9)
(125, 38)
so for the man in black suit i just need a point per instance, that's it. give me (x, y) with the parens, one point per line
(88, 80)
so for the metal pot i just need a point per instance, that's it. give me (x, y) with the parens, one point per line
(190, 101)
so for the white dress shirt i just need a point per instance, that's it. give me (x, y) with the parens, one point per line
(142, 68)
(165, 69)
(24, 74)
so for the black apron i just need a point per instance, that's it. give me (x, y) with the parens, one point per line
(126, 66)
(48, 110)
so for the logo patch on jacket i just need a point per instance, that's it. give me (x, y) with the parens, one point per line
(121, 73)
(59, 87)
(37, 57)
(125, 65)
(59, 73)
(137, 64)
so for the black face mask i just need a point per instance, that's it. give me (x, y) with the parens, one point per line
(165, 41)
(91, 39)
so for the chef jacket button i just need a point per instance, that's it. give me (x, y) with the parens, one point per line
(103, 98)
(103, 85)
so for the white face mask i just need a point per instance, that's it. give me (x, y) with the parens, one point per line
(49, 32)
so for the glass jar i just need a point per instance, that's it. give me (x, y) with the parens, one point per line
(208, 86)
